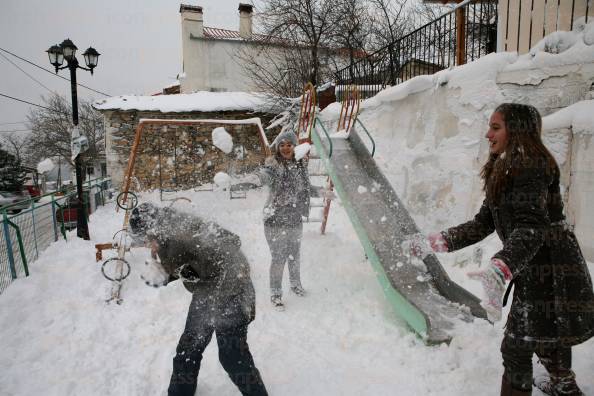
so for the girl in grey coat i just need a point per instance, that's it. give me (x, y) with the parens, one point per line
(287, 202)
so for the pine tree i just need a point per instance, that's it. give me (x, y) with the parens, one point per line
(12, 175)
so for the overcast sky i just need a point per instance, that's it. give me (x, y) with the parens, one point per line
(139, 42)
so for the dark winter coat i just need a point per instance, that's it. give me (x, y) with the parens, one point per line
(553, 299)
(289, 196)
(224, 288)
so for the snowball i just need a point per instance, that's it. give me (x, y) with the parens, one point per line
(222, 140)
(361, 189)
(45, 166)
(222, 179)
(302, 150)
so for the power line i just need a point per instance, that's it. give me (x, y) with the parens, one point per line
(51, 72)
(24, 101)
(27, 74)
(12, 123)
(40, 106)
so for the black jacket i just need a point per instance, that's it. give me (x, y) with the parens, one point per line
(553, 299)
(224, 287)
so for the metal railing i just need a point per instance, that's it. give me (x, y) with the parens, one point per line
(464, 34)
(24, 234)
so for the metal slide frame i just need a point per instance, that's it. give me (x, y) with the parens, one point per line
(426, 299)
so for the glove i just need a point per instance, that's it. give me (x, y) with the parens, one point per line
(438, 242)
(493, 280)
(421, 246)
(153, 273)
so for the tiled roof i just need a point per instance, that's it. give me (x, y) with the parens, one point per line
(225, 34)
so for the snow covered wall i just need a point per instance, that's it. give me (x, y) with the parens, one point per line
(429, 131)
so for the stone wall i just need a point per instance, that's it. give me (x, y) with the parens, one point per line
(181, 157)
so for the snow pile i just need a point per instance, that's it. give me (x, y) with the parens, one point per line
(200, 101)
(222, 140)
(560, 48)
(579, 117)
(429, 131)
(60, 338)
(47, 165)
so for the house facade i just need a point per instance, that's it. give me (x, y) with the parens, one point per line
(209, 54)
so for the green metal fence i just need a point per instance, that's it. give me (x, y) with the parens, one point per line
(25, 233)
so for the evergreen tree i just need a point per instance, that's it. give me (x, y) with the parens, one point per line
(12, 175)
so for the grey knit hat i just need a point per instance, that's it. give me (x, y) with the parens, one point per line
(285, 135)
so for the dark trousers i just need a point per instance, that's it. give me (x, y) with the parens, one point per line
(517, 360)
(234, 355)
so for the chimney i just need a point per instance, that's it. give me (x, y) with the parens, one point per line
(192, 21)
(245, 20)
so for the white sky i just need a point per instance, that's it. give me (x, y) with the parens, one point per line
(139, 42)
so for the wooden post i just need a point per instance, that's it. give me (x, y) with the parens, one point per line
(460, 36)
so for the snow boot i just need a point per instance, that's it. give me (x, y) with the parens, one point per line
(559, 384)
(298, 290)
(507, 390)
(277, 303)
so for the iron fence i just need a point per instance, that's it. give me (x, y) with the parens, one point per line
(24, 234)
(464, 34)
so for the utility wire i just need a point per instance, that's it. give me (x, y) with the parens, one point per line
(24, 101)
(27, 74)
(43, 107)
(51, 72)
(12, 123)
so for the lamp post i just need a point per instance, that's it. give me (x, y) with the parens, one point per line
(57, 54)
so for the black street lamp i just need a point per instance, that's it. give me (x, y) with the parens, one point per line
(57, 54)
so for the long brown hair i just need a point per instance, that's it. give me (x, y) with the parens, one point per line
(524, 149)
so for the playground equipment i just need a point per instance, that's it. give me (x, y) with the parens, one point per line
(421, 293)
(127, 200)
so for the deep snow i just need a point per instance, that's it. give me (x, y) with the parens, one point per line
(59, 337)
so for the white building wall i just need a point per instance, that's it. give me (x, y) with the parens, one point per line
(213, 65)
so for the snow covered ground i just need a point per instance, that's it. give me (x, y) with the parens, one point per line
(59, 337)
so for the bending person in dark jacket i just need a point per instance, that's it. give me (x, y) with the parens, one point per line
(209, 261)
(287, 202)
(553, 302)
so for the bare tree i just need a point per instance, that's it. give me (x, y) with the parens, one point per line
(51, 130)
(296, 46)
(16, 144)
(390, 21)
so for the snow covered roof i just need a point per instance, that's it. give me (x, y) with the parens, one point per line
(200, 101)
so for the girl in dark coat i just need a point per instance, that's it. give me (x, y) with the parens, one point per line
(553, 301)
(287, 203)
